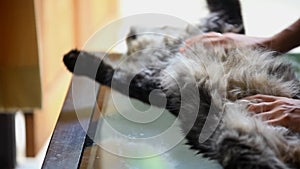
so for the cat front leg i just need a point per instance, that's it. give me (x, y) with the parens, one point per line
(142, 85)
(86, 64)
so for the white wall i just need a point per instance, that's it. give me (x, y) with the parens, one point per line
(189, 10)
(267, 17)
(261, 17)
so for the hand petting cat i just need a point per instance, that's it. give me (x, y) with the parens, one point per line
(282, 42)
(277, 110)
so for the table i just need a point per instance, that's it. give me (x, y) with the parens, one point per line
(81, 140)
(88, 138)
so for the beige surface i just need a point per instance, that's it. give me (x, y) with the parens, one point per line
(19, 63)
(19, 88)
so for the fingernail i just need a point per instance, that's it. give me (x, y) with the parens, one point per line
(181, 49)
(188, 41)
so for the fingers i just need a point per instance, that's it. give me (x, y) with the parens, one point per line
(275, 113)
(226, 40)
(289, 119)
(266, 98)
(262, 107)
(207, 39)
(212, 35)
(267, 106)
(279, 121)
(215, 41)
(267, 103)
(182, 49)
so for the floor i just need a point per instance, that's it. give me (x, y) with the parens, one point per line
(24, 162)
(32, 163)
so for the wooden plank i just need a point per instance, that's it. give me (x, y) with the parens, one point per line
(70, 136)
(67, 142)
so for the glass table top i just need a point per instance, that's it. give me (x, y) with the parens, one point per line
(127, 137)
(120, 133)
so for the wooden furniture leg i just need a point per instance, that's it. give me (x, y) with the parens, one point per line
(39, 127)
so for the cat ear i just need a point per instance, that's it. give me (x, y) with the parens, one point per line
(132, 35)
(193, 30)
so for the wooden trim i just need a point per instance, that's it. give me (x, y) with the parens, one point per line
(67, 142)
(29, 123)
(70, 137)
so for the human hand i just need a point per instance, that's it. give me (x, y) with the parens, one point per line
(226, 40)
(277, 110)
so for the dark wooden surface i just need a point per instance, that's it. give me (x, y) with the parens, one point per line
(69, 137)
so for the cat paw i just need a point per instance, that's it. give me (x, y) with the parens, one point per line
(70, 59)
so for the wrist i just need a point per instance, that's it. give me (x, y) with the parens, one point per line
(273, 43)
(265, 43)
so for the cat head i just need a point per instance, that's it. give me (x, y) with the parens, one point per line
(140, 38)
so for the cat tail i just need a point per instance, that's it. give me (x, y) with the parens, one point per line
(139, 85)
(225, 16)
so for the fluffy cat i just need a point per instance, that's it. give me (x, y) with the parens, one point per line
(203, 87)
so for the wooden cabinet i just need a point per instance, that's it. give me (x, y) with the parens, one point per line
(34, 36)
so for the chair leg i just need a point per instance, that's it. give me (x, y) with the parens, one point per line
(7, 141)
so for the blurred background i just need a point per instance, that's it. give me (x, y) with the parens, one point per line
(36, 33)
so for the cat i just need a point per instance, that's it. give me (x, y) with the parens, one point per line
(204, 87)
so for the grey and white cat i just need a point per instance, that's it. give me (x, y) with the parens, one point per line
(203, 87)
